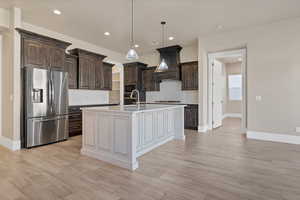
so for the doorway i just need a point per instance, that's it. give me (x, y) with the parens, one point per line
(227, 90)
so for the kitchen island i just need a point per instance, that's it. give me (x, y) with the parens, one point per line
(120, 134)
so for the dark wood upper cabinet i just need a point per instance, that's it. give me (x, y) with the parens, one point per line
(71, 66)
(106, 76)
(34, 54)
(99, 75)
(90, 69)
(149, 81)
(92, 73)
(133, 73)
(189, 75)
(41, 51)
(57, 57)
(84, 73)
(133, 79)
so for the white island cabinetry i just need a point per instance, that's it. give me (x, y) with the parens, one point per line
(120, 134)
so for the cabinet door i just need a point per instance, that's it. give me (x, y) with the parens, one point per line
(189, 74)
(149, 82)
(71, 68)
(99, 75)
(57, 58)
(195, 117)
(195, 76)
(35, 54)
(146, 81)
(107, 77)
(92, 74)
(130, 75)
(84, 72)
(187, 117)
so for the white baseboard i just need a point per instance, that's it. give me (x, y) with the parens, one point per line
(10, 144)
(202, 129)
(103, 156)
(273, 137)
(232, 115)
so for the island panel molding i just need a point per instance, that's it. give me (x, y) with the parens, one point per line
(120, 134)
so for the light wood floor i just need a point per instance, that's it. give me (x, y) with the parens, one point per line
(221, 165)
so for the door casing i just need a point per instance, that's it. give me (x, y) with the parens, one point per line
(211, 58)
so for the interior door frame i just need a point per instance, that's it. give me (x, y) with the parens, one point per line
(211, 58)
(1, 66)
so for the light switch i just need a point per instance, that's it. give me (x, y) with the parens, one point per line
(298, 129)
(258, 98)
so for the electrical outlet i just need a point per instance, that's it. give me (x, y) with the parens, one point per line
(298, 129)
(258, 98)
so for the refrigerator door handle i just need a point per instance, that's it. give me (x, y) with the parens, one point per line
(52, 119)
(52, 92)
(49, 93)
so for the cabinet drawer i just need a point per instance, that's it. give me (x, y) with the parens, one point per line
(75, 124)
(75, 128)
(75, 117)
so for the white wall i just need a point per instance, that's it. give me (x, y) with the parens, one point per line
(1, 66)
(232, 106)
(171, 91)
(273, 72)
(88, 97)
(4, 19)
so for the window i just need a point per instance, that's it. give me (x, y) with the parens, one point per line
(235, 87)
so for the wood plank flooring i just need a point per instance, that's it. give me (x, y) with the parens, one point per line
(222, 165)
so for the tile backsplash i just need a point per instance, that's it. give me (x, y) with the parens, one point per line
(170, 90)
(88, 97)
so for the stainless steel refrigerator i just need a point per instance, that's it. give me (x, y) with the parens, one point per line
(45, 106)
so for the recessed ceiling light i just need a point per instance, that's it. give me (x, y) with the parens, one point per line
(57, 12)
(136, 46)
(220, 27)
(154, 43)
(171, 38)
(107, 33)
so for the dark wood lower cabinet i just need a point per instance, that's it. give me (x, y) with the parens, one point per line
(75, 118)
(191, 117)
(75, 121)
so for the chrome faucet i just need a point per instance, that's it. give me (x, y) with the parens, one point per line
(137, 97)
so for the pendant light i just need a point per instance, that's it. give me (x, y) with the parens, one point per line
(132, 54)
(163, 65)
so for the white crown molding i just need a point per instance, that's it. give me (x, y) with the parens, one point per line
(273, 137)
(10, 144)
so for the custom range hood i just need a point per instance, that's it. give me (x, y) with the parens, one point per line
(171, 55)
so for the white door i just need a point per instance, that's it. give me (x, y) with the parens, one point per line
(217, 93)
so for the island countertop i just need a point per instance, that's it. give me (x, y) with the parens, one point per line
(132, 108)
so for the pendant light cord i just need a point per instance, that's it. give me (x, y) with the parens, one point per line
(132, 23)
(163, 33)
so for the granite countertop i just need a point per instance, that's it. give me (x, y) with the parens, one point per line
(169, 103)
(92, 105)
(133, 108)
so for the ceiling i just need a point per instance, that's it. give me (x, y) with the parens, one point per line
(186, 19)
